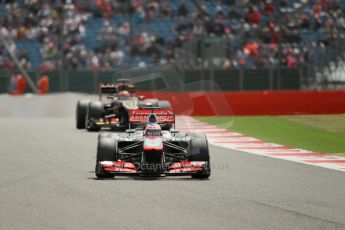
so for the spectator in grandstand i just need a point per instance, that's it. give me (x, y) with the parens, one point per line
(253, 16)
(47, 65)
(159, 40)
(24, 61)
(281, 31)
(198, 28)
(12, 48)
(95, 62)
(49, 50)
(107, 32)
(165, 9)
(218, 28)
(153, 52)
(182, 9)
(116, 56)
(104, 8)
(124, 29)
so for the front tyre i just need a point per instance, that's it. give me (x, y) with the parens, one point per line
(201, 176)
(124, 118)
(106, 151)
(199, 152)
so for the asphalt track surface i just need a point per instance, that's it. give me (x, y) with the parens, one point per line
(47, 182)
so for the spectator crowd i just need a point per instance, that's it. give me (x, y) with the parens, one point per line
(256, 34)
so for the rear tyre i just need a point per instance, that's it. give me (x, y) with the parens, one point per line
(81, 113)
(94, 112)
(199, 152)
(106, 151)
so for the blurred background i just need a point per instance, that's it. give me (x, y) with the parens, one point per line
(240, 45)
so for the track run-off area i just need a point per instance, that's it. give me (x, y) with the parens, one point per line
(224, 138)
(47, 181)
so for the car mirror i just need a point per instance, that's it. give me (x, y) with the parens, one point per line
(141, 97)
(174, 131)
(129, 131)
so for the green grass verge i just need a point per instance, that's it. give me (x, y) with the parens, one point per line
(320, 133)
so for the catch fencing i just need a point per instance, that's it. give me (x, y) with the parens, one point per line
(171, 79)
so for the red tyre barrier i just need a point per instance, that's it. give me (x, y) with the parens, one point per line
(255, 103)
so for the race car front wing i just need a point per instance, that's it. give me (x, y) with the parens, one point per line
(182, 168)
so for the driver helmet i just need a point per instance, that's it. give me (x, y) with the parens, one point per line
(124, 95)
(153, 129)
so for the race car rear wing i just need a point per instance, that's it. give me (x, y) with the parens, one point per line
(141, 116)
(107, 88)
(110, 88)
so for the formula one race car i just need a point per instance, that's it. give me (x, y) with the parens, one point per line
(152, 152)
(112, 110)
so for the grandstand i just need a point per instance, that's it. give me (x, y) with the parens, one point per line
(115, 35)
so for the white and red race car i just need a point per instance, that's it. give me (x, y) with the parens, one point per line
(152, 151)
